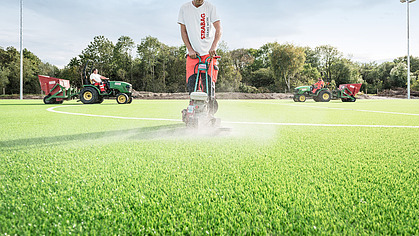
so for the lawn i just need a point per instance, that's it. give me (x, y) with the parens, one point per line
(284, 168)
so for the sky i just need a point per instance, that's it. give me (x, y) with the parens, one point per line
(363, 30)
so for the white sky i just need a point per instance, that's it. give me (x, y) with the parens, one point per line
(364, 30)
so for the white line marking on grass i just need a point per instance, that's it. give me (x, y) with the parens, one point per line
(51, 109)
(342, 109)
(321, 125)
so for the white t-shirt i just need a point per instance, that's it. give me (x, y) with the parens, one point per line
(199, 25)
(95, 78)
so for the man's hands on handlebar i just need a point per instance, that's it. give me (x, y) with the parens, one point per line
(212, 52)
(193, 54)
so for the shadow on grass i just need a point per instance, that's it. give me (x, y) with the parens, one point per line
(155, 132)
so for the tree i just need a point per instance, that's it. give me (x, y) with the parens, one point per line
(4, 80)
(176, 70)
(414, 62)
(312, 57)
(31, 65)
(326, 56)
(122, 58)
(345, 71)
(228, 78)
(371, 76)
(100, 51)
(263, 79)
(242, 59)
(73, 72)
(308, 75)
(148, 51)
(398, 75)
(415, 82)
(287, 60)
(261, 56)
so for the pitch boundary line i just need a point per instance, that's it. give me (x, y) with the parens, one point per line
(52, 109)
(342, 109)
(320, 125)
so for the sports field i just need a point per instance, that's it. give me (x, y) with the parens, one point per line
(283, 168)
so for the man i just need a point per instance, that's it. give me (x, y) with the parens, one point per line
(96, 79)
(201, 31)
(319, 85)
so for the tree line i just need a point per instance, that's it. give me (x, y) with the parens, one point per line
(153, 66)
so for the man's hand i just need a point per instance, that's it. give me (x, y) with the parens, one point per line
(193, 54)
(212, 52)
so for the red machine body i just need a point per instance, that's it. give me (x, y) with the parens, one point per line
(49, 85)
(351, 89)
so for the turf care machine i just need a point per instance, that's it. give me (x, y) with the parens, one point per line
(56, 90)
(202, 103)
(96, 93)
(345, 92)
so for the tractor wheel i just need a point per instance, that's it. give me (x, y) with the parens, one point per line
(302, 98)
(213, 106)
(316, 99)
(89, 95)
(129, 100)
(324, 96)
(122, 98)
(295, 98)
(100, 99)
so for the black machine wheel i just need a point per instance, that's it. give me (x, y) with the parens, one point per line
(344, 99)
(325, 96)
(52, 101)
(213, 106)
(89, 95)
(129, 100)
(122, 98)
(353, 99)
(59, 102)
(184, 115)
(316, 99)
(100, 99)
(192, 80)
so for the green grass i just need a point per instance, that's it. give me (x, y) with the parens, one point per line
(62, 173)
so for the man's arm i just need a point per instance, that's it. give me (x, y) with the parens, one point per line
(218, 33)
(192, 53)
(103, 77)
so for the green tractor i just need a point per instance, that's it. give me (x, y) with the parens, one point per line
(319, 95)
(92, 93)
(345, 92)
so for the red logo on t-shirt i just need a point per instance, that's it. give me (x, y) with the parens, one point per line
(203, 26)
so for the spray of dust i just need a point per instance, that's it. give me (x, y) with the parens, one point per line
(179, 131)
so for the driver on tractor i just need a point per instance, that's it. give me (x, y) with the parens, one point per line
(96, 80)
(317, 86)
